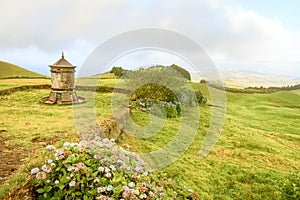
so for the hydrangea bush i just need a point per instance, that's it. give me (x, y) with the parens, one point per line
(158, 108)
(170, 109)
(99, 169)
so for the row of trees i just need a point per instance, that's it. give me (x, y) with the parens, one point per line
(119, 71)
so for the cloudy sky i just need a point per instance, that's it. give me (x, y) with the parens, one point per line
(257, 36)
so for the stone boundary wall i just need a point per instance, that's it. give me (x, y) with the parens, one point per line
(48, 86)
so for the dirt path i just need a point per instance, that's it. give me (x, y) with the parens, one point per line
(10, 159)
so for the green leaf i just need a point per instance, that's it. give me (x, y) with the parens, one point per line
(61, 186)
(78, 193)
(41, 190)
(48, 188)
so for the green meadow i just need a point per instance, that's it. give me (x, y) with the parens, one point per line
(258, 148)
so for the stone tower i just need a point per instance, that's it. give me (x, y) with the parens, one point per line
(62, 84)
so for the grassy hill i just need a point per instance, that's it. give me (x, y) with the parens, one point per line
(8, 70)
(257, 149)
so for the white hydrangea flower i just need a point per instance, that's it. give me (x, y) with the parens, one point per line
(131, 184)
(66, 144)
(50, 148)
(72, 183)
(35, 170)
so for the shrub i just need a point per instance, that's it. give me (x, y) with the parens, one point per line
(98, 169)
(158, 108)
(291, 186)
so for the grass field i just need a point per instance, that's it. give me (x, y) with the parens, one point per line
(259, 145)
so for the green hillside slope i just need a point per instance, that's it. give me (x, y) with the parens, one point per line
(8, 70)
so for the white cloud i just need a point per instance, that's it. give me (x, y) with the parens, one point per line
(233, 37)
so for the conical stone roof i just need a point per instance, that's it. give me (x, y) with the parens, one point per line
(62, 62)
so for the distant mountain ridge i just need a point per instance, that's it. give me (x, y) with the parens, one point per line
(8, 70)
(241, 79)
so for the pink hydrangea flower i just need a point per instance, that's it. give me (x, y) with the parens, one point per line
(41, 175)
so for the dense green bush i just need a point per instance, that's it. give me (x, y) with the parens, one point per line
(182, 71)
(162, 91)
(118, 71)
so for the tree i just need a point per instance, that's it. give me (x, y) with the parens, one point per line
(118, 71)
(182, 71)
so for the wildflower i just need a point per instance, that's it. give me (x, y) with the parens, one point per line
(109, 188)
(99, 144)
(96, 180)
(143, 184)
(102, 197)
(67, 153)
(80, 166)
(41, 175)
(131, 184)
(126, 194)
(72, 183)
(83, 143)
(124, 166)
(190, 190)
(151, 194)
(56, 182)
(136, 192)
(101, 189)
(66, 144)
(109, 145)
(136, 176)
(105, 140)
(108, 175)
(59, 152)
(48, 181)
(107, 170)
(97, 156)
(143, 189)
(81, 149)
(137, 169)
(120, 161)
(74, 144)
(60, 157)
(70, 168)
(102, 161)
(113, 168)
(146, 173)
(124, 188)
(101, 169)
(143, 196)
(46, 168)
(49, 161)
(35, 170)
(50, 148)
